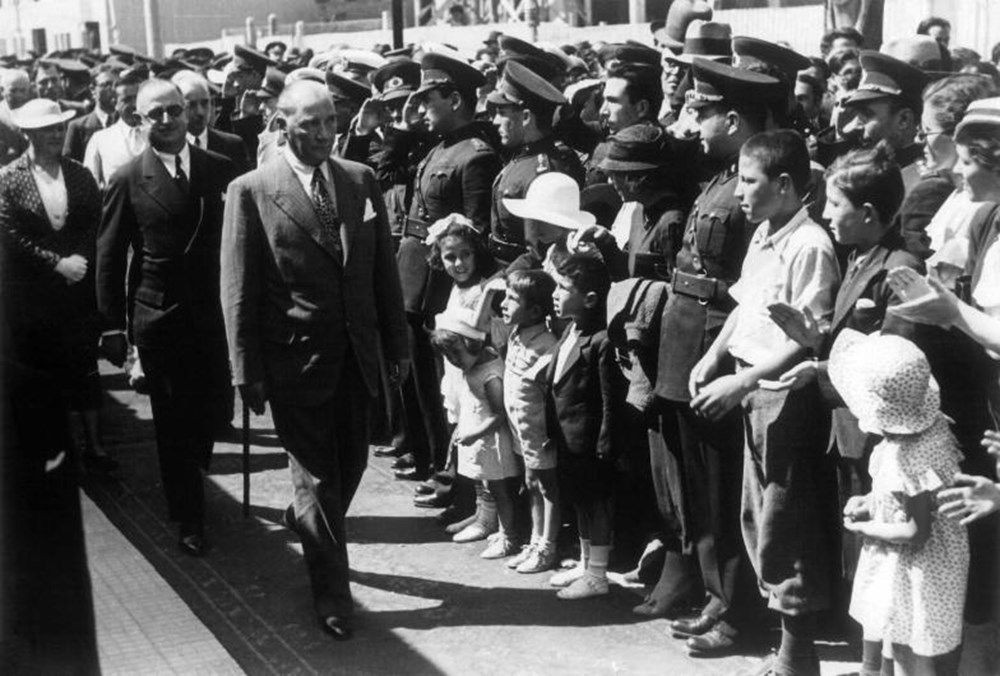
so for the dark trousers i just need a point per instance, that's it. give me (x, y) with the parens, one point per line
(185, 388)
(790, 511)
(327, 444)
(697, 472)
(426, 430)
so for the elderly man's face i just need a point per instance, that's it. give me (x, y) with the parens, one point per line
(48, 84)
(164, 112)
(311, 127)
(16, 92)
(199, 106)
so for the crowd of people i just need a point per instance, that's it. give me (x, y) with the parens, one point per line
(709, 311)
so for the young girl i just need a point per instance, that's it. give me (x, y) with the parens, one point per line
(909, 588)
(482, 436)
(459, 250)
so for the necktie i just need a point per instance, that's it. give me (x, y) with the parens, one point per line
(180, 177)
(325, 210)
(197, 141)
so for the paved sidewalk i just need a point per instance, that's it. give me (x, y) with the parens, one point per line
(426, 605)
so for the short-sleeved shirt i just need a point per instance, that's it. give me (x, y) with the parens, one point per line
(795, 265)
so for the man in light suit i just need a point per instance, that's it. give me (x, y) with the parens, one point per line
(166, 204)
(309, 292)
(101, 117)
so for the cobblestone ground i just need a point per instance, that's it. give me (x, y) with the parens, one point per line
(426, 605)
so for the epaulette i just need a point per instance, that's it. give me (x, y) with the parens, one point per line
(543, 165)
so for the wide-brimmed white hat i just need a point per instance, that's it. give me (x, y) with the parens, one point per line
(886, 381)
(39, 113)
(552, 198)
(461, 321)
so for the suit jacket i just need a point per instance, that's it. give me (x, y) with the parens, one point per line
(294, 308)
(231, 146)
(36, 294)
(581, 406)
(78, 133)
(172, 295)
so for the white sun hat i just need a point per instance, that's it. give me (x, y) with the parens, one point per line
(552, 198)
(40, 113)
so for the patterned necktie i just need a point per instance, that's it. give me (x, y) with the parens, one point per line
(180, 177)
(326, 211)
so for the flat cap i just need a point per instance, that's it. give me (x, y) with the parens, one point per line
(246, 58)
(716, 82)
(438, 69)
(344, 88)
(752, 51)
(635, 148)
(883, 76)
(628, 53)
(519, 86)
(396, 79)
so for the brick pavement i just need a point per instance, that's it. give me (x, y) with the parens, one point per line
(426, 605)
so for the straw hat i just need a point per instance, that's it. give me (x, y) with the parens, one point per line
(886, 381)
(552, 198)
(40, 113)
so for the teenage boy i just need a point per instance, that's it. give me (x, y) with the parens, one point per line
(584, 387)
(526, 305)
(789, 493)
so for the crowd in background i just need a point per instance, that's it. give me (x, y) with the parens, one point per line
(716, 314)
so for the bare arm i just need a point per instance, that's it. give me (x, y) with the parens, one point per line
(497, 417)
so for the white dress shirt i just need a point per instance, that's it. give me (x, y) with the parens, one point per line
(170, 161)
(110, 149)
(102, 117)
(52, 190)
(201, 140)
(304, 173)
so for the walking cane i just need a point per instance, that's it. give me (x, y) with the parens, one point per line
(246, 461)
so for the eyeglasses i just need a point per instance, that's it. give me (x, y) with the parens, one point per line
(156, 114)
(923, 135)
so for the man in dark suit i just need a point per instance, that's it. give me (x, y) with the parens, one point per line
(101, 117)
(167, 205)
(309, 291)
(200, 114)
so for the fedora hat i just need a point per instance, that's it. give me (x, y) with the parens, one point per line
(40, 113)
(552, 198)
(707, 39)
(680, 15)
(885, 381)
(635, 148)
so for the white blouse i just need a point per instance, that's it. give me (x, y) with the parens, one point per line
(52, 190)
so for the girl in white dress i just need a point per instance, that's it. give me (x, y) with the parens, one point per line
(909, 588)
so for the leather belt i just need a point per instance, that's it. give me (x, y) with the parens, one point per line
(506, 251)
(703, 289)
(414, 227)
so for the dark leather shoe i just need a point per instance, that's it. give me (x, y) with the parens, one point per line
(405, 461)
(411, 474)
(192, 540)
(339, 628)
(717, 641)
(433, 501)
(388, 452)
(453, 514)
(692, 626)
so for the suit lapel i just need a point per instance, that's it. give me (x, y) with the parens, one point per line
(855, 284)
(160, 186)
(293, 200)
(197, 181)
(574, 356)
(347, 208)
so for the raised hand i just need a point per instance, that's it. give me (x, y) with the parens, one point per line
(799, 325)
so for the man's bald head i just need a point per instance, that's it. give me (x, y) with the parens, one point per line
(306, 110)
(15, 87)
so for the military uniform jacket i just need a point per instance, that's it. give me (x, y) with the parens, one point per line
(456, 176)
(529, 160)
(714, 243)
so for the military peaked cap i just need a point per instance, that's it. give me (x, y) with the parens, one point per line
(438, 69)
(885, 77)
(716, 82)
(520, 86)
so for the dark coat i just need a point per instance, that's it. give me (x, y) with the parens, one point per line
(172, 298)
(38, 299)
(78, 134)
(293, 309)
(231, 146)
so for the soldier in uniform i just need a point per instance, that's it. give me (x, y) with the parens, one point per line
(697, 464)
(525, 104)
(456, 176)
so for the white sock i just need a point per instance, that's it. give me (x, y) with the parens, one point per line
(598, 564)
(584, 553)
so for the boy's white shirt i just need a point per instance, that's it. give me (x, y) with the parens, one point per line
(796, 265)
